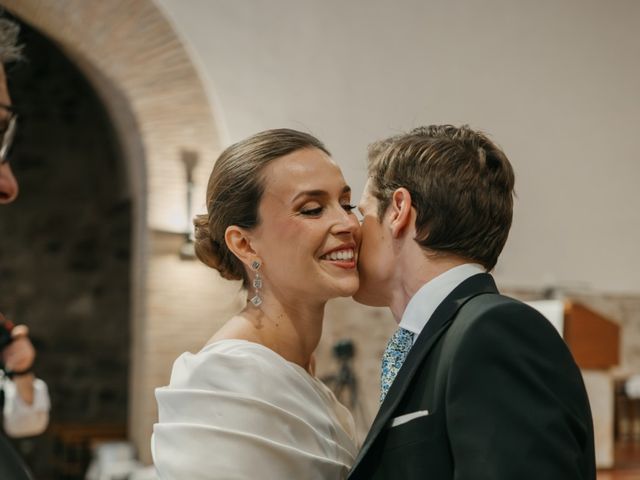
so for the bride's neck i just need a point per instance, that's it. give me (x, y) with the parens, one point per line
(291, 329)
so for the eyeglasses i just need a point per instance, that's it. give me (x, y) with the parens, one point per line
(8, 134)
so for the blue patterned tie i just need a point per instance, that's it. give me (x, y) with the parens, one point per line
(393, 358)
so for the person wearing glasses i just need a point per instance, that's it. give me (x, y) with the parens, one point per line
(8, 183)
(24, 398)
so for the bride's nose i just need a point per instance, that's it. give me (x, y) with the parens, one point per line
(346, 223)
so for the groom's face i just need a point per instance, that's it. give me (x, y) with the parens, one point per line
(375, 262)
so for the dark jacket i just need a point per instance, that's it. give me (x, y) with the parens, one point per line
(505, 399)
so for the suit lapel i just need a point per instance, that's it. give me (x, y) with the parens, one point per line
(437, 325)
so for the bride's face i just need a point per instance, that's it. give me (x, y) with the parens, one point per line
(308, 236)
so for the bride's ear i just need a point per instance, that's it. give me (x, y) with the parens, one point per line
(238, 241)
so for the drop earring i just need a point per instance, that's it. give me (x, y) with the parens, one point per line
(256, 300)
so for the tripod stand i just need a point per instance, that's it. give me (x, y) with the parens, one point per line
(344, 382)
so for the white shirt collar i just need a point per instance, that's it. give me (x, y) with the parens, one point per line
(425, 301)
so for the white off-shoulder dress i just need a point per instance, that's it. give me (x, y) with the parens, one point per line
(238, 410)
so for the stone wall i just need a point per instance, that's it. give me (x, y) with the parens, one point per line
(623, 309)
(158, 107)
(65, 243)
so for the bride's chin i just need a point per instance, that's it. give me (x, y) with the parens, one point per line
(349, 288)
(334, 286)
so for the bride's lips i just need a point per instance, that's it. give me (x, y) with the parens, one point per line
(343, 256)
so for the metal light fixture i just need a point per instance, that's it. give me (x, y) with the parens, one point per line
(187, 249)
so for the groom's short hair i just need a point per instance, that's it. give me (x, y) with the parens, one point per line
(461, 185)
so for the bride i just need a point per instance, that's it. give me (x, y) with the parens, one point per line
(248, 404)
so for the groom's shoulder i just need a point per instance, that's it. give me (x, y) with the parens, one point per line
(497, 311)
(498, 303)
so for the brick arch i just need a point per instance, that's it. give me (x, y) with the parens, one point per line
(142, 72)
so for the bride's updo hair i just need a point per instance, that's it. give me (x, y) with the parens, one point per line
(234, 192)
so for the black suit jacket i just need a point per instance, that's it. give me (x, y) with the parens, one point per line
(504, 397)
(12, 467)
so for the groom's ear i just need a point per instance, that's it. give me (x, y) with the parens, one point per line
(401, 212)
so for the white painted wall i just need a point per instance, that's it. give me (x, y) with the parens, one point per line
(555, 82)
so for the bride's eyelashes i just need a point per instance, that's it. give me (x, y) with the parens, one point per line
(311, 212)
(349, 208)
(317, 211)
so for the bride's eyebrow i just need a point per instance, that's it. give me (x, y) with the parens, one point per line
(319, 193)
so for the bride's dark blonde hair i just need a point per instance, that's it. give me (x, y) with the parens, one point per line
(234, 192)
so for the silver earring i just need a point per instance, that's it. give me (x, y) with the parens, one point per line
(256, 300)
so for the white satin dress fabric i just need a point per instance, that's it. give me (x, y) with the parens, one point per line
(238, 410)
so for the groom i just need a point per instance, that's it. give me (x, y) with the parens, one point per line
(475, 385)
